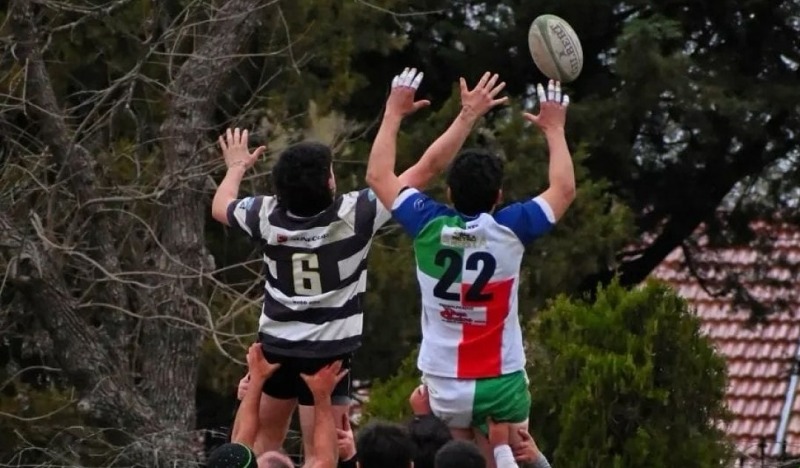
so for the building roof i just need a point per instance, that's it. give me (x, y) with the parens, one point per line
(759, 356)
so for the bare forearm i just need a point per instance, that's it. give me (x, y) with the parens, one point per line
(561, 172)
(384, 149)
(561, 192)
(380, 169)
(245, 424)
(227, 191)
(442, 151)
(325, 445)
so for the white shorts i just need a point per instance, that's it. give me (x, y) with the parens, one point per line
(467, 403)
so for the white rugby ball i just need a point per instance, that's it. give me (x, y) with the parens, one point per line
(555, 48)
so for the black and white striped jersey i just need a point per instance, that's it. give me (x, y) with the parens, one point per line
(315, 270)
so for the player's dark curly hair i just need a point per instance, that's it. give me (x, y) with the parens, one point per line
(301, 178)
(384, 445)
(475, 178)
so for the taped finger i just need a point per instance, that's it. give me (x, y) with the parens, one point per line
(396, 81)
(565, 100)
(551, 91)
(410, 77)
(558, 92)
(417, 80)
(540, 93)
(402, 77)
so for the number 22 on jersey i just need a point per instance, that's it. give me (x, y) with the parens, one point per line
(453, 262)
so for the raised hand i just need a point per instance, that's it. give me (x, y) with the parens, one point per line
(552, 108)
(257, 365)
(235, 150)
(481, 99)
(525, 451)
(401, 99)
(324, 381)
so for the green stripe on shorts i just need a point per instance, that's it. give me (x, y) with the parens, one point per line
(504, 399)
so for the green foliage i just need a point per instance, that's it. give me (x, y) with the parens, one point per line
(626, 381)
(388, 398)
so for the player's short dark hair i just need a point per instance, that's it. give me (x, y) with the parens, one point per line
(301, 176)
(384, 445)
(460, 454)
(232, 456)
(475, 178)
(429, 434)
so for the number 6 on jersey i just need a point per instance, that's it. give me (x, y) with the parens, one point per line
(305, 271)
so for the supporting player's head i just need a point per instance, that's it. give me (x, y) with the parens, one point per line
(384, 445)
(429, 434)
(303, 178)
(274, 459)
(460, 454)
(474, 182)
(232, 456)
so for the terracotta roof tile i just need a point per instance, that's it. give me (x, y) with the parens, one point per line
(759, 357)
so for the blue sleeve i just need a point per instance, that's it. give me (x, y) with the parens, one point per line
(414, 210)
(245, 215)
(528, 220)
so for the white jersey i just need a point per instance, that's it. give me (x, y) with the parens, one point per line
(468, 273)
(315, 270)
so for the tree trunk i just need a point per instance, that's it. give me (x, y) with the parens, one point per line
(152, 422)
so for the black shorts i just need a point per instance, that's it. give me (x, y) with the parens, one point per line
(286, 383)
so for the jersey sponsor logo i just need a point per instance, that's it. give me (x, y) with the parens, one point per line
(463, 315)
(282, 238)
(419, 204)
(461, 239)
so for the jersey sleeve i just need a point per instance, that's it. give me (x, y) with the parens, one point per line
(382, 215)
(414, 210)
(528, 220)
(246, 215)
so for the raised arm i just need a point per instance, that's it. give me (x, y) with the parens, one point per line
(381, 175)
(245, 425)
(380, 169)
(550, 120)
(475, 104)
(325, 449)
(238, 159)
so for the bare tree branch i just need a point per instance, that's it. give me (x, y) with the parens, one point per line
(105, 392)
(75, 164)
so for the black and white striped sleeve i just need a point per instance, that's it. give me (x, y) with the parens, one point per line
(370, 209)
(249, 215)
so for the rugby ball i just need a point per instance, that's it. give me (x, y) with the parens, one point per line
(555, 48)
